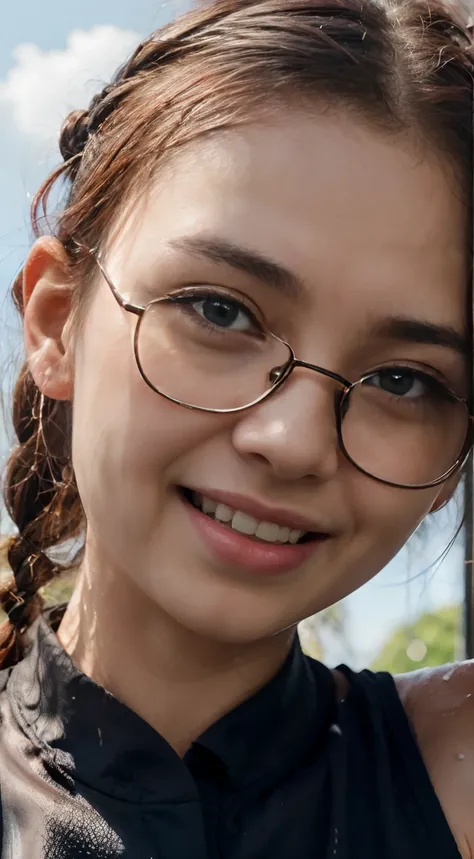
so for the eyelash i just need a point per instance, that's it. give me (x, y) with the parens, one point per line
(193, 295)
(434, 386)
(430, 377)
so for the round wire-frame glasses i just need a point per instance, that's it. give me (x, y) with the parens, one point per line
(279, 375)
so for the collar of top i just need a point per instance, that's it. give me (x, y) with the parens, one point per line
(88, 736)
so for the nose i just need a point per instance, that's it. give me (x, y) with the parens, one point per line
(294, 431)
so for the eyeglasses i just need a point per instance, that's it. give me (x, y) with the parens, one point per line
(209, 350)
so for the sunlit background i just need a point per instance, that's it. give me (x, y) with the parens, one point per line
(53, 57)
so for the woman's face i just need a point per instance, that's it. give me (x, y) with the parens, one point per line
(369, 231)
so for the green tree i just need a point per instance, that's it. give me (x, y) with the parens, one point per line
(435, 638)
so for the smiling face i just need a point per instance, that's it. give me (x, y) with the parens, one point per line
(331, 234)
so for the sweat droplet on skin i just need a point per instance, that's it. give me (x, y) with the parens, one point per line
(450, 673)
(461, 757)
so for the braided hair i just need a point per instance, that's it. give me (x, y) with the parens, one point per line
(42, 499)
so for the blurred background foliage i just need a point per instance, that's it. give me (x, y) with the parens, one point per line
(433, 639)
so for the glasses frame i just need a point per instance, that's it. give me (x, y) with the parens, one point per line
(347, 387)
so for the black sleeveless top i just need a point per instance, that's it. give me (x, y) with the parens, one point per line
(289, 774)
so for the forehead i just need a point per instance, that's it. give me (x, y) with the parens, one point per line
(347, 208)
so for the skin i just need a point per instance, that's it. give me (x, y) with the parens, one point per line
(373, 228)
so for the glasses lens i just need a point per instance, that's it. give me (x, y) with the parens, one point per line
(208, 354)
(404, 427)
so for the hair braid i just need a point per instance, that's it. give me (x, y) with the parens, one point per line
(151, 55)
(80, 125)
(42, 499)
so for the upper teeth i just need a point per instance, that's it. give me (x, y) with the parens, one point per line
(246, 524)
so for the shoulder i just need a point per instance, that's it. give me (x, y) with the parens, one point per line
(439, 703)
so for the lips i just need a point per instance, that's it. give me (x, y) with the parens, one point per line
(253, 519)
(244, 523)
(261, 511)
(240, 552)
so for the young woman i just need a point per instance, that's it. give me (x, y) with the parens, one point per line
(247, 383)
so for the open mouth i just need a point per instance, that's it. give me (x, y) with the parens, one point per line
(249, 526)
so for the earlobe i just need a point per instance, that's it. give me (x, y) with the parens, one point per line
(47, 301)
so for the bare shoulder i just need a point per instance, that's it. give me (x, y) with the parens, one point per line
(440, 705)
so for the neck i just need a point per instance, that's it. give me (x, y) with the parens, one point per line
(178, 681)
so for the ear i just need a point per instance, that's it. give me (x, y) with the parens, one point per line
(47, 296)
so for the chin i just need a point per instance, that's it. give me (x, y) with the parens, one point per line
(233, 620)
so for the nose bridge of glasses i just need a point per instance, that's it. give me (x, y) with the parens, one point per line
(329, 374)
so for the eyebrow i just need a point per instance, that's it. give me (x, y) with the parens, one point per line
(404, 329)
(248, 261)
(409, 330)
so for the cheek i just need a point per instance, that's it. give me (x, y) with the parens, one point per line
(385, 518)
(125, 436)
(382, 519)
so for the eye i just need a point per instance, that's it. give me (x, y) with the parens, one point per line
(406, 383)
(220, 312)
(224, 313)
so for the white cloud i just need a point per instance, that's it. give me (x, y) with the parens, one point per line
(43, 86)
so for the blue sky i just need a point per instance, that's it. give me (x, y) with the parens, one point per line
(48, 26)
(53, 57)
